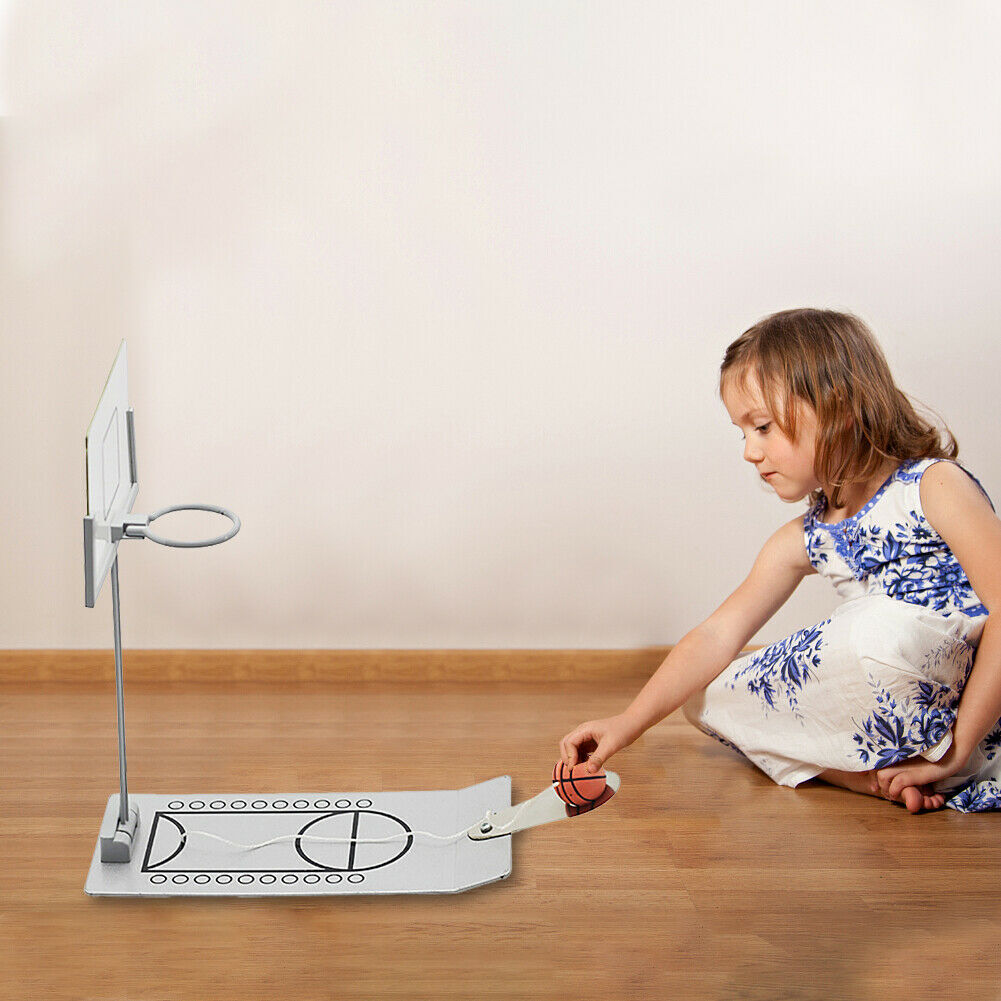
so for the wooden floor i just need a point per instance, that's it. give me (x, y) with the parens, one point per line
(700, 879)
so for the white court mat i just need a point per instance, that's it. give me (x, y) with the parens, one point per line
(170, 860)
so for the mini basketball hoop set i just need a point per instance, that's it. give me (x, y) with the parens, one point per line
(296, 844)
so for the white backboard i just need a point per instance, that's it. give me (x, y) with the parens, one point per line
(112, 481)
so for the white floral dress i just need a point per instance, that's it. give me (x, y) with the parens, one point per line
(877, 682)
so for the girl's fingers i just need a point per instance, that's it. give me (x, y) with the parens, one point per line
(574, 747)
(571, 744)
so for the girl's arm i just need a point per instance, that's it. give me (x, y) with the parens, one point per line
(955, 507)
(980, 704)
(706, 650)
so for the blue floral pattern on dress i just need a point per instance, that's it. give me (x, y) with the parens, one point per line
(977, 797)
(784, 666)
(906, 559)
(901, 728)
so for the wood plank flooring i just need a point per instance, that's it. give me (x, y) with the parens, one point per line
(700, 879)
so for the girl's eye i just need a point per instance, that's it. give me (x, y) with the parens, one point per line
(763, 429)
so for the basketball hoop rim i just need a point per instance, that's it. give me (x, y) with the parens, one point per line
(140, 531)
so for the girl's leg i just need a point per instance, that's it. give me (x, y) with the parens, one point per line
(915, 798)
(818, 697)
(863, 782)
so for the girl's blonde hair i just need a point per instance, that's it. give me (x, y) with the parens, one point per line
(831, 362)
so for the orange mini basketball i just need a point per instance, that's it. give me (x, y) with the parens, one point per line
(576, 786)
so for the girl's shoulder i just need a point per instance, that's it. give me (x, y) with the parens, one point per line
(912, 470)
(902, 489)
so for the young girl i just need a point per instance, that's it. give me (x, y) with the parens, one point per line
(883, 697)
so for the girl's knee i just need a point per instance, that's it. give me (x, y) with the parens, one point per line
(717, 692)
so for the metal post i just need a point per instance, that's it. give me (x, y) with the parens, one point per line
(123, 798)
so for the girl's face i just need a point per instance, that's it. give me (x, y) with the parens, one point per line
(787, 466)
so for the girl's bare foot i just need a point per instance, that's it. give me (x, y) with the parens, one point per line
(915, 798)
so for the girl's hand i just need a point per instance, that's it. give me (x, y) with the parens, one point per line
(596, 741)
(917, 771)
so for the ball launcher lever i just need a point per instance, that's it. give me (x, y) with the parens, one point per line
(544, 808)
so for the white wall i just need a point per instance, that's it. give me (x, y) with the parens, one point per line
(434, 296)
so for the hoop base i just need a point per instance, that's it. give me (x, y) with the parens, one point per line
(116, 839)
(168, 862)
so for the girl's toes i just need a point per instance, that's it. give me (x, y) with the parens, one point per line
(913, 799)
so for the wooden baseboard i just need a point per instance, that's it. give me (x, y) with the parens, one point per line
(285, 666)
